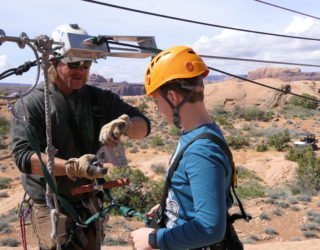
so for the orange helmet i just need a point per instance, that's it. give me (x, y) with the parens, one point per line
(173, 63)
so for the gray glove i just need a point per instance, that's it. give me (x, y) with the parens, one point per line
(111, 132)
(83, 167)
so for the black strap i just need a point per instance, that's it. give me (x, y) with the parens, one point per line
(223, 145)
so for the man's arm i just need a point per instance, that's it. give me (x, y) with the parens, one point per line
(59, 165)
(138, 128)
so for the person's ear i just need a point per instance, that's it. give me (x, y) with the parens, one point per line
(173, 97)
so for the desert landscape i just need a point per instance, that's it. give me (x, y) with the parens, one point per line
(284, 205)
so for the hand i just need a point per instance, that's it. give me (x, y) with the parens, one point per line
(83, 167)
(140, 238)
(152, 211)
(111, 132)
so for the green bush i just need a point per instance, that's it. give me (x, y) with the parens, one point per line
(237, 142)
(294, 154)
(5, 182)
(262, 147)
(142, 193)
(252, 114)
(156, 141)
(304, 103)
(174, 131)
(4, 130)
(308, 174)
(4, 126)
(143, 106)
(279, 140)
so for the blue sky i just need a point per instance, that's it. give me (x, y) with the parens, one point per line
(36, 17)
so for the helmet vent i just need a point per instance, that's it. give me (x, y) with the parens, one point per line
(191, 52)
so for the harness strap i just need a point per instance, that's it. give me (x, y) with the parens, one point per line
(223, 145)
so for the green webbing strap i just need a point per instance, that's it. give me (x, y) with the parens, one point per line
(130, 212)
(65, 204)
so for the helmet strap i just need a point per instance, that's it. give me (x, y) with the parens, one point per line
(175, 110)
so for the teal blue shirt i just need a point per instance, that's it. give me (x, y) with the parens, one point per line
(198, 200)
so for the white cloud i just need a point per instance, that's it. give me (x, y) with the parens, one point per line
(300, 25)
(4, 63)
(230, 43)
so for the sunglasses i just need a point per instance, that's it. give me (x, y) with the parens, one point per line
(76, 65)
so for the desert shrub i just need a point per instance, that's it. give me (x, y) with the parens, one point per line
(174, 131)
(295, 208)
(9, 242)
(158, 168)
(293, 200)
(305, 198)
(4, 228)
(142, 106)
(308, 174)
(114, 241)
(284, 204)
(4, 126)
(262, 147)
(270, 231)
(254, 237)
(277, 212)
(4, 130)
(246, 174)
(5, 182)
(252, 189)
(221, 116)
(252, 114)
(304, 103)
(264, 216)
(142, 193)
(134, 150)
(294, 154)
(279, 141)
(310, 234)
(156, 141)
(237, 142)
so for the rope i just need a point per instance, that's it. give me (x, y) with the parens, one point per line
(200, 23)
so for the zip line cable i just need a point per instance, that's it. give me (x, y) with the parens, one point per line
(264, 85)
(229, 74)
(200, 23)
(257, 60)
(221, 57)
(294, 11)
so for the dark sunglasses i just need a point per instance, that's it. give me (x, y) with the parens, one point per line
(76, 65)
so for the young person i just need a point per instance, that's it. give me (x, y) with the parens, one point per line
(195, 213)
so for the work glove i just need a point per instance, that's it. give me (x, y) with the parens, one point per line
(111, 132)
(85, 167)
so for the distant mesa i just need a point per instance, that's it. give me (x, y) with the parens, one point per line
(284, 74)
(120, 88)
(133, 89)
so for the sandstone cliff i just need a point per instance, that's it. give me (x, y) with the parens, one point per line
(284, 74)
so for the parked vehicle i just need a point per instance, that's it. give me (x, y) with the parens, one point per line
(307, 139)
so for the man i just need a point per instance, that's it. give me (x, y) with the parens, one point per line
(197, 201)
(81, 116)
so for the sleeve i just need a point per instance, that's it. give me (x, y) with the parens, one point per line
(21, 147)
(115, 107)
(206, 170)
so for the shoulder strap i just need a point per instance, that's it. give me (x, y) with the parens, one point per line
(223, 145)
